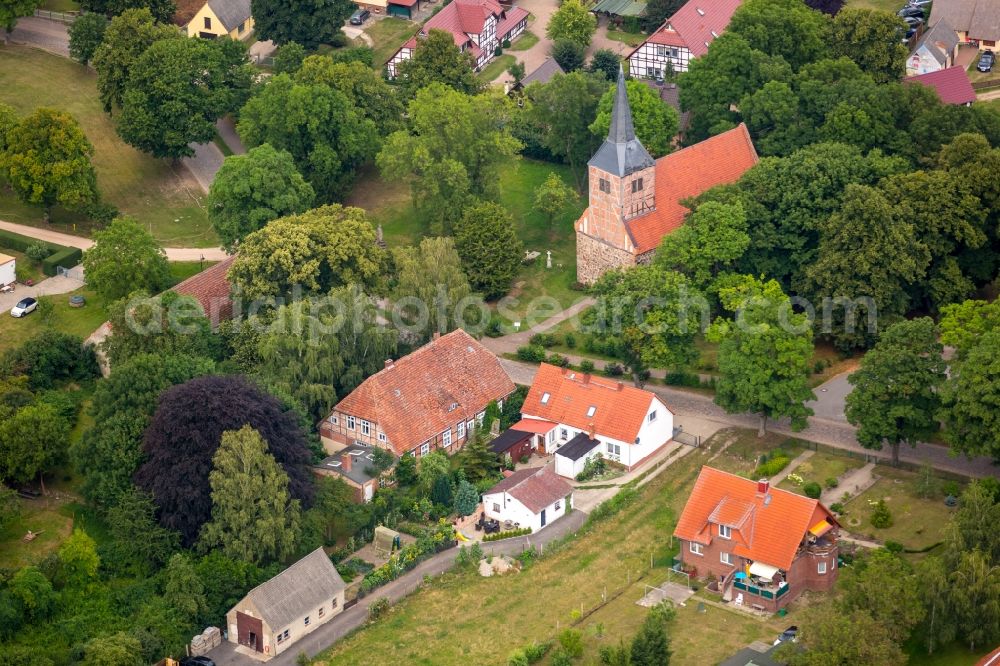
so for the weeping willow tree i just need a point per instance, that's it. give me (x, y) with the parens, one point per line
(319, 350)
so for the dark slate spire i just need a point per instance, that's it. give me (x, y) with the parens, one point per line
(621, 153)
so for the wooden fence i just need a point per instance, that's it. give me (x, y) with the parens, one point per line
(63, 17)
(990, 83)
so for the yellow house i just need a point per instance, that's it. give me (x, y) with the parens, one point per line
(219, 18)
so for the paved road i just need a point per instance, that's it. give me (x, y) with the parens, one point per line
(59, 238)
(685, 404)
(355, 617)
(228, 133)
(47, 287)
(355, 32)
(48, 35)
(831, 398)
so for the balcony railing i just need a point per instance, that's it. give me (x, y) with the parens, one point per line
(761, 591)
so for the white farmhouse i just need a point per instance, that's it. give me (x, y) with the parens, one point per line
(531, 497)
(625, 424)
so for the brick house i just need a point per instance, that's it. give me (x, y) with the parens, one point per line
(430, 399)
(624, 424)
(976, 22)
(211, 289)
(353, 466)
(683, 37)
(763, 546)
(478, 26)
(634, 200)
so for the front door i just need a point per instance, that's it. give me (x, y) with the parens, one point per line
(249, 631)
(541, 444)
(543, 517)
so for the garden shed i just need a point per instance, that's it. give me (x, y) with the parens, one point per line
(8, 274)
(515, 443)
(574, 454)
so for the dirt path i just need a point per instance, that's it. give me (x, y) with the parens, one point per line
(855, 483)
(791, 467)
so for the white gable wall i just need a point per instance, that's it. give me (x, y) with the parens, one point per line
(504, 506)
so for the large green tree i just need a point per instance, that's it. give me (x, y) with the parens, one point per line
(490, 249)
(11, 10)
(764, 353)
(553, 197)
(162, 10)
(964, 324)
(437, 59)
(85, 35)
(32, 441)
(327, 135)
(896, 390)
(832, 637)
(125, 40)
(656, 122)
(46, 161)
(307, 23)
(165, 324)
(78, 560)
(447, 163)
(176, 91)
(563, 110)
(317, 250)
(251, 190)
(884, 586)
(651, 646)
(182, 587)
(125, 257)
(363, 86)
(976, 599)
(712, 239)
(431, 290)
(118, 649)
(970, 398)
(656, 313)
(253, 517)
(870, 38)
(573, 22)
(319, 352)
(785, 28)
(138, 543)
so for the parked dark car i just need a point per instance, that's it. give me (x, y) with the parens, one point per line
(916, 12)
(360, 16)
(919, 3)
(913, 21)
(787, 635)
(909, 35)
(986, 61)
(197, 661)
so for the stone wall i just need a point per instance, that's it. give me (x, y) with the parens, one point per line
(594, 258)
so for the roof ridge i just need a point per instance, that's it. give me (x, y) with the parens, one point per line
(808, 500)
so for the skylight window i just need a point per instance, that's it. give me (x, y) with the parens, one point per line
(545, 398)
(591, 410)
(715, 34)
(701, 12)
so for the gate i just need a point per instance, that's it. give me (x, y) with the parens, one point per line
(687, 438)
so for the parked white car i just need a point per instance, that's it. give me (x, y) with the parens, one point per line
(24, 306)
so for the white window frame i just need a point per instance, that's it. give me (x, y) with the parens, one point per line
(334, 420)
(591, 410)
(725, 532)
(821, 568)
(696, 548)
(366, 428)
(470, 424)
(500, 404)
(652, 416)
(563, 434)
(460, 429)
(381, 437)
(614, 449)
(333, 604)
(350, 422)
(555, 507)
(425, 448)
(321, 612)
(305, 622)
(726, 558)
(480, 417)
(550, 436)
(496, 507)
(545, 398)
(446, 437)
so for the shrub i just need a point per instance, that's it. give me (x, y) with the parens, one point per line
(517, 658)
(497, 536)
(559, 360)
(570, 340)
(812, 489)
(614, 370)
(38, 250)
(594, 466)
(531, 353)
(339, 40)
(498, 51)
(378, 608)
(775, 464)
(682, 378)
(535, 651)
(527, 558)
(881, 516)
(631, 24)
(544, 340)
(67, 257)
(586, 365)
(571, 640)
(560, 658)
(506, 43)
(894, 547)
(832, 482)
(837, 507)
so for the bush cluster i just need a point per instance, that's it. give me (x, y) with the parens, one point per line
(507, 535)
(768, 468)
(433, 541)
(812, 490)
(531, 353)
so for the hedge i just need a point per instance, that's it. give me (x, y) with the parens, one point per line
(507, 535)
(59, 255)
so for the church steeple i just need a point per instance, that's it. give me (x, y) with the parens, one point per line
(621, 153)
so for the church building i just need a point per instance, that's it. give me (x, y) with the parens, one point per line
(635, 200)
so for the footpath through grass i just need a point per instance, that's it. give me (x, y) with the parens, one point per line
(462, 618)
(162, 196)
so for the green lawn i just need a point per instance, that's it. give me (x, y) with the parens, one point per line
(26, 268)
(462, 618)
(632, 39)
(917, 522)
(39, 515)
(60, 5)
(524, 41)
(953, 655)
(161, 195)
(975, 75)
(78, 321)
(182, 270)
(820, 467)
(744, 447)
(891, 6)
(496, 67)
(388, 204)
(388, 35)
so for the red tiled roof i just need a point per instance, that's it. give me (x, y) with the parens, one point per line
(620, 409)
(991, 659)
(721, 159)
(463, 17)
(775, 527)
(693, 25)
(185, 11)
(952, 85)
(513, 16)
(537, 426)
(403, 3)
(211, 289)
(534, 487)
(448, 380)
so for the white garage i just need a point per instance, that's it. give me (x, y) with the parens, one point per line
(574, 454)
(8, 273)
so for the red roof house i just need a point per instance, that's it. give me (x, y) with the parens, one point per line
(636, 200)
(683, 36)
(211, 289)
(531, 497)
(477, 26)
(430, 399)
(952, 85)
(764, 545)
(623, 423)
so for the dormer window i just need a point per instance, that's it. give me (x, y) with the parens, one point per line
(591, 410)
(545, 398)
(715, 34)
(701, 12)
(725, 532)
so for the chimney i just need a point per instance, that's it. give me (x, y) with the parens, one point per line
(621, 386)
(437, 334)
(590, 429)
(345, 461)
(388, 363)
(586, 378)
(763, 487)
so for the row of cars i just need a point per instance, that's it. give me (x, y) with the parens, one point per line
(914, 14)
